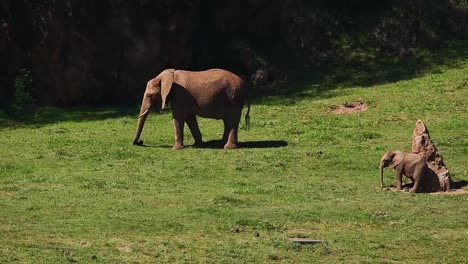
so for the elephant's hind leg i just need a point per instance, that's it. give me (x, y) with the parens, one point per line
(231, 136)
(416, 186)
(231, 127)
(417, 179)
(226, 132)
(195, 130)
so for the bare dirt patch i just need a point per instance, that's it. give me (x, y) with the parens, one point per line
(124, 248)
(451, 192)
(349, 107)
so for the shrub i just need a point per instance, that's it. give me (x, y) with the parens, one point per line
(24, 90)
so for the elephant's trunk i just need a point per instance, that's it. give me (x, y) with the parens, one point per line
(381, 175)
(141, 123)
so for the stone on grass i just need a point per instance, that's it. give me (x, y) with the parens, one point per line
(423, 145)
(300, 240)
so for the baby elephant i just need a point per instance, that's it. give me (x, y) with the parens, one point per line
(411, 165)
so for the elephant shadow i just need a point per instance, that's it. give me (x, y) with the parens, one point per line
(218, 144)
(459, 184)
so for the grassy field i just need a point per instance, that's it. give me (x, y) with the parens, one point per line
(74, 189)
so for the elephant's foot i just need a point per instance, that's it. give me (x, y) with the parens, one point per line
(178, 146)
(138, 143)
(230, 146)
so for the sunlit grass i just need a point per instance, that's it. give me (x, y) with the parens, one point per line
(73, 188)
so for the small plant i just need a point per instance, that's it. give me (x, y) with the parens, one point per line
(24, 89)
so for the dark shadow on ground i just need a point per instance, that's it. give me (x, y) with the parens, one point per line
(459, 184)
(152, 146)
(51, 115)
(456, 185)
(356, 67)
(219, 144)
(264, 144)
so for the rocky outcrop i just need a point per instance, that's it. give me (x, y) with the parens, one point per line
(423, 145)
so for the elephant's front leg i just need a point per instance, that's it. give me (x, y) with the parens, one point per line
(399, 178)
(178, 133)
(195, 130)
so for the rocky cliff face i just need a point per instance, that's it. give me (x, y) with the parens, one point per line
(82, 51)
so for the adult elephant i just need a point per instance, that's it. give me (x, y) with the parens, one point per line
(214, 93)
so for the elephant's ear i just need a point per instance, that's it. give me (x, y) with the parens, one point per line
(397, 158)
(167, 78)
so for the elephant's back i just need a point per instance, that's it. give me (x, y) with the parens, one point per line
(211, 82)
(221, 73)
(415, 157)
(211, 75)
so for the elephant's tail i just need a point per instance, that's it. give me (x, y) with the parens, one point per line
(247, 115)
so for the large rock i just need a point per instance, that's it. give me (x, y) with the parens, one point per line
(423, 145)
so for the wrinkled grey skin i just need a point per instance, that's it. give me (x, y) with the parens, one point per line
(214, 93)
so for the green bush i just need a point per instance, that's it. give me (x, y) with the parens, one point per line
(24, 89)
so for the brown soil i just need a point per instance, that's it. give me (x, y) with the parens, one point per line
(451, 192)
(349, 107)
(124, 248)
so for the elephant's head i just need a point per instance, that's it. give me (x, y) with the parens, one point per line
(155, 97)
(389, 159)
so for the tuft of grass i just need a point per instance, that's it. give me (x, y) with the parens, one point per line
(74, 189)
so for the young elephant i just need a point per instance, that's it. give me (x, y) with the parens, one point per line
(214, 93)
(412, 166)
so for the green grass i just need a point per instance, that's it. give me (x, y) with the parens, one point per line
(74, 189)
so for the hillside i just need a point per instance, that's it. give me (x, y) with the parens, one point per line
(73, 187)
